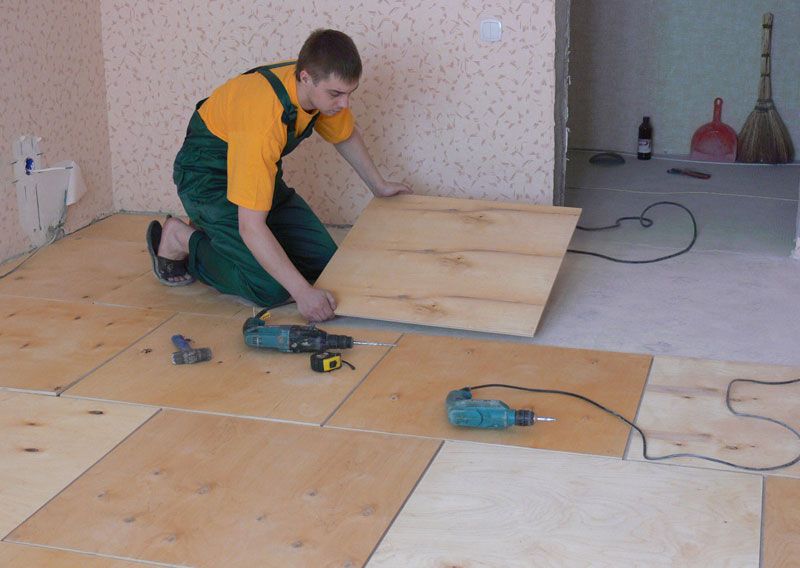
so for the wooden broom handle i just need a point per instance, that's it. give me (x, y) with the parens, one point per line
(766, 44)
(765, 84)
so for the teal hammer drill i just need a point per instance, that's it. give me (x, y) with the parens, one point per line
(463, 410)
(296, 338)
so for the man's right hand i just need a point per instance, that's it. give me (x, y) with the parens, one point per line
(316, 305)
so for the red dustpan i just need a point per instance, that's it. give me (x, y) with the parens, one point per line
(714, 141)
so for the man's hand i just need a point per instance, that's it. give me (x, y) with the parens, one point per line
(390, 188)
(315, 305)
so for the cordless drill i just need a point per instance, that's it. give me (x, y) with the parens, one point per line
(463, 410)
(296, 338)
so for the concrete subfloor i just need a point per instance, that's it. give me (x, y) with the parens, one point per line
(735, 296)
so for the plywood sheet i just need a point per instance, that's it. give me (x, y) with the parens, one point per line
(77, 269)
(484, 505)
(217, 491)
(457, 263)
(120, 227)
(405, 393)
(781, 522)
(240, 380)
(683, 410)
(24, 556)
(47, 345)
(45, 443)
(146, 292)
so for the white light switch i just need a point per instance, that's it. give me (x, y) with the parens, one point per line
(491, 30)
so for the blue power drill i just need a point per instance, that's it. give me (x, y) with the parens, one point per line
(463, 410)
(296, 338)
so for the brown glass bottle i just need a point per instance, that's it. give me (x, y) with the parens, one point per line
(645, 139)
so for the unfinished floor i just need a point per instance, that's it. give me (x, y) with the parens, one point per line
(252, 460)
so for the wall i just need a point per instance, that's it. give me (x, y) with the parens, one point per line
(441, 110)
(669, 59)
(561, 135)
(52, 85)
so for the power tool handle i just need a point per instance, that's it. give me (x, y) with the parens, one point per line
(180, 342)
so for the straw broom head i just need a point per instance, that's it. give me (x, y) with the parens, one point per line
(764, 137)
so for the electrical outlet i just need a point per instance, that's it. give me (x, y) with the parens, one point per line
(41, 204)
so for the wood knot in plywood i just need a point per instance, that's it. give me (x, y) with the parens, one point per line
(297, 544)
(76, 318)
(170, 538)
(204, 489)
(457, 260)
(129, 520)
(367, 511)
(476, 219)
(96, 412)
(32, 450)
(427, 308)
(311, 493)
(394, 396)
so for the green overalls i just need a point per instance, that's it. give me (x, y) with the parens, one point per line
(217, 254)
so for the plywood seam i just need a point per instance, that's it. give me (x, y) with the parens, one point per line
(28, 391)
(349, 394)
(93, 554)
(98, 460)
(193, 410)
(405, 501)
(631, 431)
(134, 342)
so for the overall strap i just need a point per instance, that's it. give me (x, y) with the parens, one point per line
(289, 116)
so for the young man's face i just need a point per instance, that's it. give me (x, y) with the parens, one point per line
(328, 95)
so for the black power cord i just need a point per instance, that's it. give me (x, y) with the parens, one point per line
(684, 454)
(646, 223)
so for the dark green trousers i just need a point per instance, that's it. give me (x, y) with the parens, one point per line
(217, 254)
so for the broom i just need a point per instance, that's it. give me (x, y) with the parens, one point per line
(764, 137)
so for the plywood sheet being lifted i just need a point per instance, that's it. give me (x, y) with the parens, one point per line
(405, 393)
(482, 505)
(683, 410)
(201, 490)
(457, 263)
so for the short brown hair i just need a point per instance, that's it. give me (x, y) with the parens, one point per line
(327, 52)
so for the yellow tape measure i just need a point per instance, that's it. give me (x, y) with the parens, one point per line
(325, 361)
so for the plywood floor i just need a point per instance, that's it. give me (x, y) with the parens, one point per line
(495, 506)
(405, 394)
(491, 267)
(197, 465)
(239, 380)
(47, 345)
(278, 494)
(45, 443)
(683, 410)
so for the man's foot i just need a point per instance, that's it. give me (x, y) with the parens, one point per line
(169, 247)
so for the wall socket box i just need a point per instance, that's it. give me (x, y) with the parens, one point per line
(41, 197)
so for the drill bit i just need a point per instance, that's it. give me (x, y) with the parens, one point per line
(375, 343)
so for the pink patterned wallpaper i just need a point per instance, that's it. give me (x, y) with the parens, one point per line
(52, 85)
(440, 109)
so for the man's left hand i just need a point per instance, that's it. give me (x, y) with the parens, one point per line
(390, 188)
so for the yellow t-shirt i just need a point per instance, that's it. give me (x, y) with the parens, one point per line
(246, 113)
